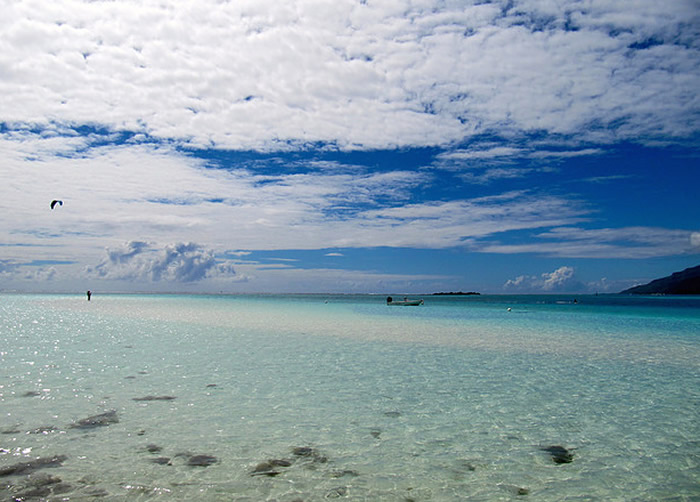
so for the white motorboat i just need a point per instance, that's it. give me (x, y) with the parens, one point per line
(404, 303)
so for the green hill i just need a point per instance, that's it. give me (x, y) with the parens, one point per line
(686, 282)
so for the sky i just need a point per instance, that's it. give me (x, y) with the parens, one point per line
(348, 146)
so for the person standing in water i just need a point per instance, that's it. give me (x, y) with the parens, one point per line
(89, 294)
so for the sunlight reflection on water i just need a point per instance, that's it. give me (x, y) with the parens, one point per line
(394, 404)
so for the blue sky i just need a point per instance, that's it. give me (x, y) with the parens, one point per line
(348, 146)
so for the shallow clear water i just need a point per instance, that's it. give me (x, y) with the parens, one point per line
(453, 400)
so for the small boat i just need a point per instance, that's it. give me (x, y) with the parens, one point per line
(404, 303)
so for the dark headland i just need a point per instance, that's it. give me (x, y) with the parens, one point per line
(686, 282)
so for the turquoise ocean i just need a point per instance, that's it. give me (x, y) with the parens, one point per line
(316, 397)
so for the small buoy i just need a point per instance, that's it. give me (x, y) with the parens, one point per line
(509, 309)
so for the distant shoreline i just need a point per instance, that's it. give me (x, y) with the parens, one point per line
(457, 293)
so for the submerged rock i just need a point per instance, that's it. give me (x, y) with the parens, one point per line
(304, 456)
(311, 455)
(270, 467)
(47, 429)
(280, 462)
(41, 479)
(202, 460)
(265, 469)
(515, 490)
(303, 451)
(97, 492)
(40, 486)
(560, 455)
(308, 452)
(153, 448)
(32, 465)
(161, 461)
(154, 398)
(101, 420)
(61, 488)
(344, 473)
(340, 491)
(39, 492)
(464, 465)
(11, 430)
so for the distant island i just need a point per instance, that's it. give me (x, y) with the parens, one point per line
(686, 282)
(457, 293)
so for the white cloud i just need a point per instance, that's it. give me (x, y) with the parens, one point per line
(180, 262)
(606, 179)
(562, 279)
(626, 242)
(496, 173)
(120, 194)
(7, 267)
(695, 239)
(481, 153)
(584, 152)
(485, 162)
(490, 151)
(262, 74)
(440, 225)
(41, 274)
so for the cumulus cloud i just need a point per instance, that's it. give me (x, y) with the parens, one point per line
(562, 279)
(41, 274)
(179, 262)
(7, 267)
(14, 270)
(126, 253)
